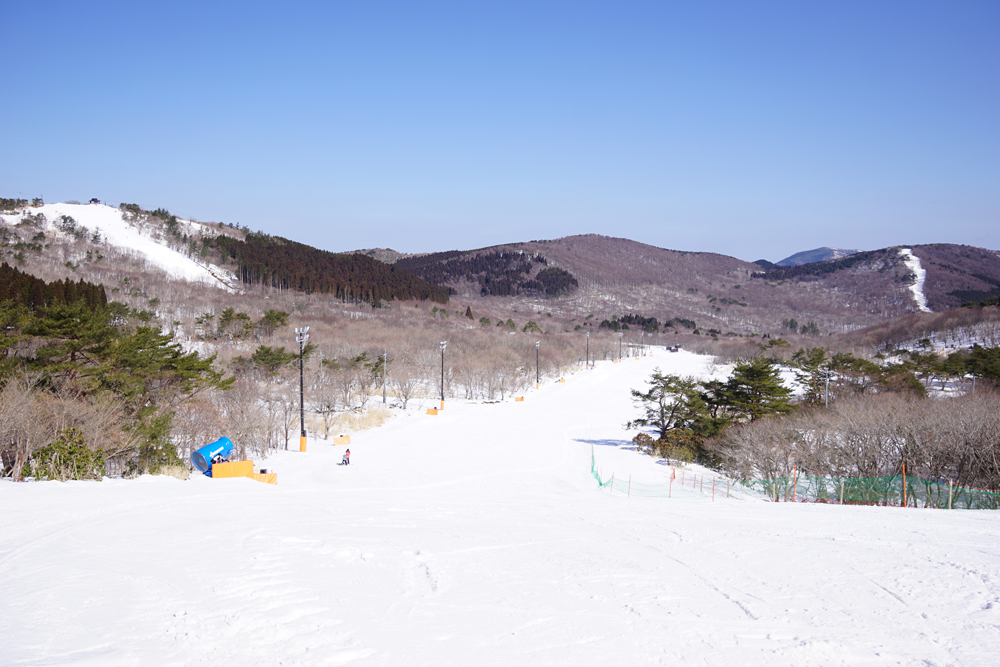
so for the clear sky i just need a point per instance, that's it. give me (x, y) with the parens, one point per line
(750, 129)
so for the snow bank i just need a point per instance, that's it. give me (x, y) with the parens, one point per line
(117, 231)
(478, 537)
(912, 262)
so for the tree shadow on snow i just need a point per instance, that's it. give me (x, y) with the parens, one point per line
(626, 445)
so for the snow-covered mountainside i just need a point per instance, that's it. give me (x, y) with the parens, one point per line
(115, 228)
(479, 537)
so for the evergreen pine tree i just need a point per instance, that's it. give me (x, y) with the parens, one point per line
(811, 371)
(755, 390)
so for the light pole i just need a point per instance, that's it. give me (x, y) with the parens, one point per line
(385, 361)
(444, 344)
(588, 350)
(620, 346)
(537, 344)
(301, 336)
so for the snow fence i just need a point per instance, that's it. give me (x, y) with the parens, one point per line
(889, 490)
(710, 486)
(895, 490)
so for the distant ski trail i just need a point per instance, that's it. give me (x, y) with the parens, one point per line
(913, 264)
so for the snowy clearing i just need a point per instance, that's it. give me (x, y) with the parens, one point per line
(116, 231)
(478, 537)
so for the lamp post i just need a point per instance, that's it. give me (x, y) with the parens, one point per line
(588, 350)
(620, 346)
(537, 344)
(444, 344)
(385, 361)
(301, 336)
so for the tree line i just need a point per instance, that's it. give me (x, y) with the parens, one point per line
(89, 390)
(887, 256)
(277, 262)
(498, 272)
(22, 289)
(856, 417)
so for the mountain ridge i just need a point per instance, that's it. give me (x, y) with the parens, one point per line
(588, 274)
(816, 255)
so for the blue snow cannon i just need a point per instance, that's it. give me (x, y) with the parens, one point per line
(214, 453)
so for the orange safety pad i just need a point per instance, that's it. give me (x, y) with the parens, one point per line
(267, 478)
(519, 399)
(234, 469)
(342, 440)
(562, 379)
(432, 411)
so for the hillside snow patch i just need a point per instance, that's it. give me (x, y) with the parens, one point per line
(117, 231)
(913, 264)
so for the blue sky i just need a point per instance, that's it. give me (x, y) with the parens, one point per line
(750, 129)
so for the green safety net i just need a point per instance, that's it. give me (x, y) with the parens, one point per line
(626, 486)
(887, 490)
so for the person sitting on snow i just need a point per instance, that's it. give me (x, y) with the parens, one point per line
(347, 458)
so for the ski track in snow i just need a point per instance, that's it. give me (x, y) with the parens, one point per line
(912, 262)
(118, 232)
(478, 537)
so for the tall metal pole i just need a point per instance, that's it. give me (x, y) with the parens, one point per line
(619, 346)
(302, 399)
(385, 361)
(537, 344)
(301, 336)
(827, 388)
(588, 349)
(444, 344)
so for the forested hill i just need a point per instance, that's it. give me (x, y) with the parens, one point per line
(497, 272)
(278, 262)
(885, 256)
(21, 289)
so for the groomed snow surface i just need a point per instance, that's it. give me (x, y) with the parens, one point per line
(478, 537)
(118, 232)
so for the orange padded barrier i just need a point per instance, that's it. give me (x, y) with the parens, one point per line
(342, 440)
(519, 399)
(267, 478)
(243, 469)
(234, 469)
(432, 411)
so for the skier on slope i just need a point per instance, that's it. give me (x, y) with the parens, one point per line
(347, 458)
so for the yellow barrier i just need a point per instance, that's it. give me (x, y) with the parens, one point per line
(519, 399)
(243, 469)
(234, 469)
(302, 443)
(562, 380)
(267, 478)
(342, 440)
(432, 411)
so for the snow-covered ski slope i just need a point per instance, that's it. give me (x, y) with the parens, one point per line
(912, 262)
(117, 231)
(478, 537)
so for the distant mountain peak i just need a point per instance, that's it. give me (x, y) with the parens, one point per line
(817, 255)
